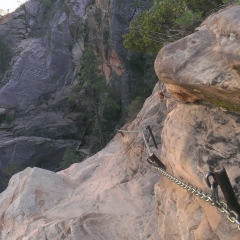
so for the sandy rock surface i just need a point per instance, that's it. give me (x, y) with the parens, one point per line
(108, 196)
(197, 138)
(205, 64)
(115, 194)
(201, 68)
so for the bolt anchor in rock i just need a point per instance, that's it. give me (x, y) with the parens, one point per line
(151, 134)
(154, 160)
(119, 131)
(220, 178)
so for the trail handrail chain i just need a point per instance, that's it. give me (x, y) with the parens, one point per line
(221, 206)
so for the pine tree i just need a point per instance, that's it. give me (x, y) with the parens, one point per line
(95, 85)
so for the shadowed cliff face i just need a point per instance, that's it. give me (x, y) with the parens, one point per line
(47, 38)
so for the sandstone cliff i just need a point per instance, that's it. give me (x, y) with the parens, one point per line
(108, 196)
(47, 38)
(116, 194)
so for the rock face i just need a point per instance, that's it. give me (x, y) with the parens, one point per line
(47, 39)
(197, 138)
(115, 194)
(108, 196)
(205, 65)
(34, 90)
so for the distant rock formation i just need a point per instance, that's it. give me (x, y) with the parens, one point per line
(47, 39)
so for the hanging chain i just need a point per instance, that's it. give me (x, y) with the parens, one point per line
(221, 206)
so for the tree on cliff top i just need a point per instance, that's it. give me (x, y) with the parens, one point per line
(166, 21)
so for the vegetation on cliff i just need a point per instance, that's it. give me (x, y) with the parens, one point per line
(69, 157)
(167, 21)
(100, 108)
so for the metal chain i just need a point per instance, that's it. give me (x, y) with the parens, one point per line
(221, 206)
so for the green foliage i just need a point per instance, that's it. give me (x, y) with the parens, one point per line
(137, 3)
(187, 19)
(76, 88)
(9, 118)
(95, 87)
(101, 109)
(134, 107)
(12, 169)
(5, 54)
(72, 97)
(231, 1)
(75, 92)
(228, 105)
(9, 171)
(111, 104)
(143, 64)
(90, 72)
(69, 157)
(105, 37)
(160, 24)
(47, 3)
(111, 111)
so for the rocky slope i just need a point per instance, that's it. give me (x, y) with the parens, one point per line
(108, 196)
(47, 38)
(116, 194)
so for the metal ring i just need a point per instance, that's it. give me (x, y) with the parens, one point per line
(227, 211)
(209, 174)
(222, 206)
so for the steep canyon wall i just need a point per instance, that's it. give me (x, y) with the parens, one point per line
(116, 194)
(47, 38)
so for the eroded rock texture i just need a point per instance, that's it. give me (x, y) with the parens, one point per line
(47, 39)
(115, 194)
(205, 64)
(34, 89)
(197, 136)
(108, 196)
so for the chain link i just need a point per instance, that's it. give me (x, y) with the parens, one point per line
(221, 206)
